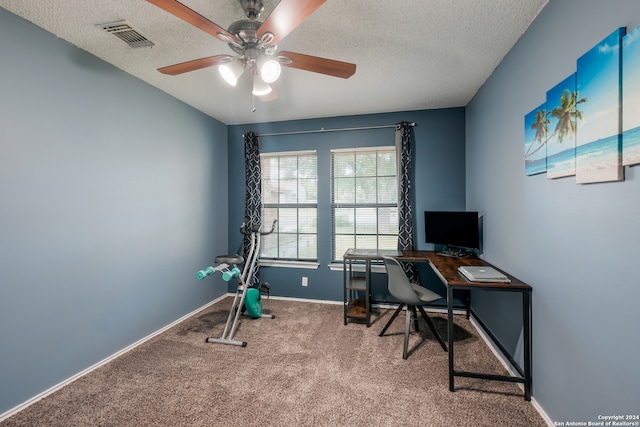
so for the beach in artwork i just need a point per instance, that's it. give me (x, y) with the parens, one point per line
(599, 159)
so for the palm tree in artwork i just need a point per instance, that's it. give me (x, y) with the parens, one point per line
(541, 126)
(567, 114)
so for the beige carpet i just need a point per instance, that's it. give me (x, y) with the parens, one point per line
(303, 368)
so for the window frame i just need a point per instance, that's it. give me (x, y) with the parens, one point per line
(392, 206)
(297, 261)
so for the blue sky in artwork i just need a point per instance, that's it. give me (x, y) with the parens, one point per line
(631, 79)
(598, 81)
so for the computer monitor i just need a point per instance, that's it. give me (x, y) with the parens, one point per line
(456, 230)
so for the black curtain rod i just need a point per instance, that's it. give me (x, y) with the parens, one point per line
(330, 130)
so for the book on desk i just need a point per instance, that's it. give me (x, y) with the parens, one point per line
(483, 274)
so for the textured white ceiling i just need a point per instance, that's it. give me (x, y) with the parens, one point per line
(410, 54)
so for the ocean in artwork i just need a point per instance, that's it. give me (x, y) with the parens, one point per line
(535, 166)
(601, 154)
(562, 163)
(631, 147)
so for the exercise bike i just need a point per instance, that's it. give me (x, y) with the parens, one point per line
(247, 298)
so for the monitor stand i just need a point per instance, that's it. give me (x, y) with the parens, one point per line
(454, 252)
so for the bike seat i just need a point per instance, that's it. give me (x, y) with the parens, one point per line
(229, 259)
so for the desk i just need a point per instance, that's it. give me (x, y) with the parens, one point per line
(447, 270)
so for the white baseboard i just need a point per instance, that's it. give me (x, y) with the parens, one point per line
(68, 381)
(510, 368)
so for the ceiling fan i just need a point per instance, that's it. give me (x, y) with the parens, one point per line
(255, 44)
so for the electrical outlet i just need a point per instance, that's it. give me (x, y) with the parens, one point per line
(304, 281)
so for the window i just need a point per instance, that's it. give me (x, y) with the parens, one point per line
(290, 195)
(364, 199)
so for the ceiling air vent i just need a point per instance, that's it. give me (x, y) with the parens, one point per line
(126, 33)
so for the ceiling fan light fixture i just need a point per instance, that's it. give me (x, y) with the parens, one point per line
(260, 87)
(231, 71)
(269, 69)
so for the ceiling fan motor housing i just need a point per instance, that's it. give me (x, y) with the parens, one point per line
(245, 31)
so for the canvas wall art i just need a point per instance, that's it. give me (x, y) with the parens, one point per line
(535, 141)
(631, 98)
(563, 106)
(599, 139)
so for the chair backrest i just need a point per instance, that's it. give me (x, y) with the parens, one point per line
(398, 283)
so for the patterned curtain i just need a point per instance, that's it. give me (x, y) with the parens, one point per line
(405, 215)
(252, 215)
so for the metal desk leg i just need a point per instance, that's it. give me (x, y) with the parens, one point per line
(344, 288)
(367, 291)
(450, 334)
(467, 302)
(526, 323)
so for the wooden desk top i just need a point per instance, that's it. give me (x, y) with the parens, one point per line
(447, 268)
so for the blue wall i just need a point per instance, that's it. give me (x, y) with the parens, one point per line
(113, 195)
(439, 182)
(575, 244)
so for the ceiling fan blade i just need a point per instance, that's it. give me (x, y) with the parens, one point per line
(287, 15)
(195, 64)
(190, 16)
(316, 64)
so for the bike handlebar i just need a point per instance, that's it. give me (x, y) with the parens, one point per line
(256, 229)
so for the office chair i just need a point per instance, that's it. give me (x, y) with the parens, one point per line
(409, 294)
